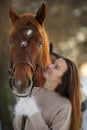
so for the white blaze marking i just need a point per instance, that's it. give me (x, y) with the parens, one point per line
(29, 32)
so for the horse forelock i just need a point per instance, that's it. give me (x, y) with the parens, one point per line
(24, 19)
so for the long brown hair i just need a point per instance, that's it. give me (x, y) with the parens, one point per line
(70, 88)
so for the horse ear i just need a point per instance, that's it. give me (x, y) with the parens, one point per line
(13, 16)
(41, 13)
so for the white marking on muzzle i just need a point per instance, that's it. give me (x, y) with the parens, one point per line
(22, 94)
(18, 83)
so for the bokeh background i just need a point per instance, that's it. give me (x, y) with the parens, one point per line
(66, 24)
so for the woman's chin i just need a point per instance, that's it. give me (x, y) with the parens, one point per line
(44, 74)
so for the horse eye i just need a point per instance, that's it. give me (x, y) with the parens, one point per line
(40, 43)
(10, 41)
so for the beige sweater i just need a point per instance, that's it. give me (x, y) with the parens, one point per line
(54, 112)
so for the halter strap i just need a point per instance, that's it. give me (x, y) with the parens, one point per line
(23, 62)
(23, 44)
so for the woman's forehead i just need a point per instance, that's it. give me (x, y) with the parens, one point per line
(61, 62)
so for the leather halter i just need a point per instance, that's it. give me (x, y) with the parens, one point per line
(23, 44)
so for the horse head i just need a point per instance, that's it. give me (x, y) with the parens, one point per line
(29, 50)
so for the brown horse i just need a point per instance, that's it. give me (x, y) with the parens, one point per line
(29, 50)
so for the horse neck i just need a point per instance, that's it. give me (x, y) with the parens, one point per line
(39, 80)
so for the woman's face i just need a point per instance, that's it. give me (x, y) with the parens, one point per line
(55, 71)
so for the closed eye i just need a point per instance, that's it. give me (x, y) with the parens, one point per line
(57, 67)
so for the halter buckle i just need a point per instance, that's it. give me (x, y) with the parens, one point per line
(23, 43)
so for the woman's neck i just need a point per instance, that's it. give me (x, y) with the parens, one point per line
(50, 85)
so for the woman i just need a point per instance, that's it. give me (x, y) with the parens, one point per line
(57, 104)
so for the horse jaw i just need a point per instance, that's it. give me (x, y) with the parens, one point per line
(39, 80)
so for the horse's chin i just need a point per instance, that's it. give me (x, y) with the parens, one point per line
(21, 94)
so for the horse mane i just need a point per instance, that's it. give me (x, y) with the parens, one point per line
(40, 80)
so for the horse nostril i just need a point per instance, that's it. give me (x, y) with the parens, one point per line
(14, 81)
(11, 83)
(29, 83)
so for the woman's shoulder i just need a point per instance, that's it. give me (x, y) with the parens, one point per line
(51, 103)
(50, 96)
(64, 101)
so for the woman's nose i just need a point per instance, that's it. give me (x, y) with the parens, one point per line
(50, 66)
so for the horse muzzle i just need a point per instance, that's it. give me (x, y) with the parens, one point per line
(21, 88)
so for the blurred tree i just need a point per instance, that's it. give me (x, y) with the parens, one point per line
(5, 118)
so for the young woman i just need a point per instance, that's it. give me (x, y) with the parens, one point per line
(57, 104)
